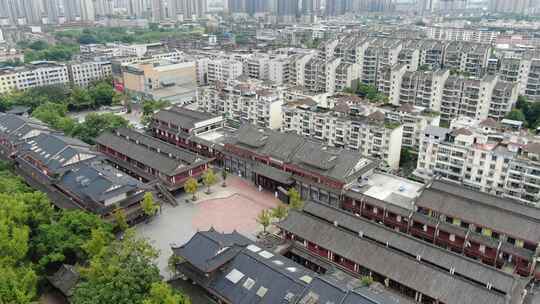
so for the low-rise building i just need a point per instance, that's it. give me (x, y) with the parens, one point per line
(35, 74)
(279, 69)
(462, 34)
(150, 159)
(234, 269)
(84, 73)
(405, 264)
(175, 82)
(529, 76)
(76, 177)
(414, 119)
(16, 130)
(459, 224)
(277, 160)
(182, 127)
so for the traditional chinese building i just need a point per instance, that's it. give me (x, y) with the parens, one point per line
(232, 269)
(410, 266)
(76, 177)
(274, 159)
(149, 159)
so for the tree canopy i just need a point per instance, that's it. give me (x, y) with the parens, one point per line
(41, 50)
(526, 111)
(124, 272)
(62, 241)
(367, 91)
(191, 187)
(295, 200)
(35, 239)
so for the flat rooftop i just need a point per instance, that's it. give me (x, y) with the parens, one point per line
(216, 136)
(391, 189)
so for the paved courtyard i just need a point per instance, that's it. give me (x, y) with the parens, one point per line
(234, 207)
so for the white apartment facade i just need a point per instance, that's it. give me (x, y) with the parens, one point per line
(37, 74)
(243, 102)
(279, 70)
(462, 34)
(422, 89)
(224, 70)
(415, 120)
(482, 157)
(477, 98)
(467, 57)
(369, 135)
(84, 73)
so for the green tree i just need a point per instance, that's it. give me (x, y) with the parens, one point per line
(38, 45)
(62, 241)
(21, 212)
(161, 293)
(191, 187)
(280, 212)
(17, 284)
(516, 115)
(264, 218)
(95, 124)
(80, 99)
(172, 262)
(366, 280)
(98, 242)
(51, 114)
(148, 205)
(102, 94)
(122, 274)
(120, 220)
(224, 175)
(407, 157)
(209, 179)
(295, 200)
(87, 39)
(10, 184)
(151, 106)
(424, 67)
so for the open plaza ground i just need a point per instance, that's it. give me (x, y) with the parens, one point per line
(234, 207)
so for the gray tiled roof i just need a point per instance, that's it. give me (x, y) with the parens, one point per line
(277, 145)
(503, 215)
(16, 127)
(182, 117)
(57, 152)
(65, 279)
(147, 155)
(164, 147)
(98, 182)
(438, 256)
(307, 154)
(421, 276)
(282, 280)
(204, 246)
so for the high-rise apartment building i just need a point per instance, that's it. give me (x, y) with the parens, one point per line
(88, 12)
(483, 156)
(511, 6)
(287, 10)
(248, 101)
